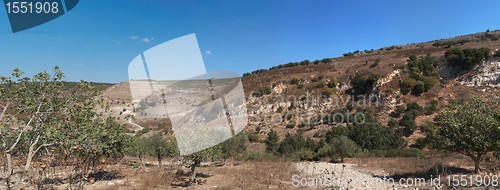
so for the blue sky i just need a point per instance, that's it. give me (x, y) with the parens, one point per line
(99, 38)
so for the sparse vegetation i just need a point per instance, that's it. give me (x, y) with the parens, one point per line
(422, 75)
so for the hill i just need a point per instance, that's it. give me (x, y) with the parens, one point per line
(296, 96)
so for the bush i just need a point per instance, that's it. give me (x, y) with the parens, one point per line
(328, 93)
(290, 125)
(272, 142)
(303, 154)
(363, 84)
(373, 136)
(294, 143)
(253, 138)
(258, 156)
(407, 84)
(404, 152)
(295, 81)
(422, 75)
(466, 59)
(418, 89)
(261, 91)
(332, 83)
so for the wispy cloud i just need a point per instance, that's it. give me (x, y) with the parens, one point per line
(142, 39)
(208, 52)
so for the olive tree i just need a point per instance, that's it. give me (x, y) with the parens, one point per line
(471, 128)
(209, 154)
(160, 148)
(340, 146)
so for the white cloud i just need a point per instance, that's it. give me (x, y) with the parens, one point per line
(142, 39)
(208, 52)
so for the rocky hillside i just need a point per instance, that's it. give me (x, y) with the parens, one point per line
(297, 96)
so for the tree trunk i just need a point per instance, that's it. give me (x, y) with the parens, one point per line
(158, 155)
(31, 155)
(9, 167)
(193, 172)
(476, 165)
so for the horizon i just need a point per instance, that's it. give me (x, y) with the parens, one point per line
(96, 41)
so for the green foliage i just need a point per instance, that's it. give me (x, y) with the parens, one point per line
(340, 146)
(466, 59)
(408, 124)
(295, 142)
(160, 148)
(253, 137)
(295, 81)
(393, 123)
(303, 154)
(471, 127)
(431, 108)
(404, 152)
(374, 136)
(449, 43)
(332, 83)
(261, 91)
(363, 84)
(290, 125)
(328, 93)
(235, 145)
(45, 113)
(422, 75)
(272, 142)
(258, 156)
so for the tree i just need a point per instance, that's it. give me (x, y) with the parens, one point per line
(272, 142)
(471, 128)
(44, 113)
(340, 146)
(234, 146)
(136, 146)
(160, 148)
(209, 154)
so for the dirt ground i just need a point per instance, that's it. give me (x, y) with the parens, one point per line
(355, 173)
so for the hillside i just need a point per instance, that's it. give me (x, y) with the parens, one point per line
(272, 92)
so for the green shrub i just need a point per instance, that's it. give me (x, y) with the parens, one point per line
(328, 93)
(258, 156)
(407, 84)
(294, 143)
(272, 142)
(363, 84)
(303, 154)
(418, 89)
(373, 136)
(295, 81)
(252, 137)
(332, 83)
(404, 152)
(261, 91)
(466, 59)
(290, 125)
